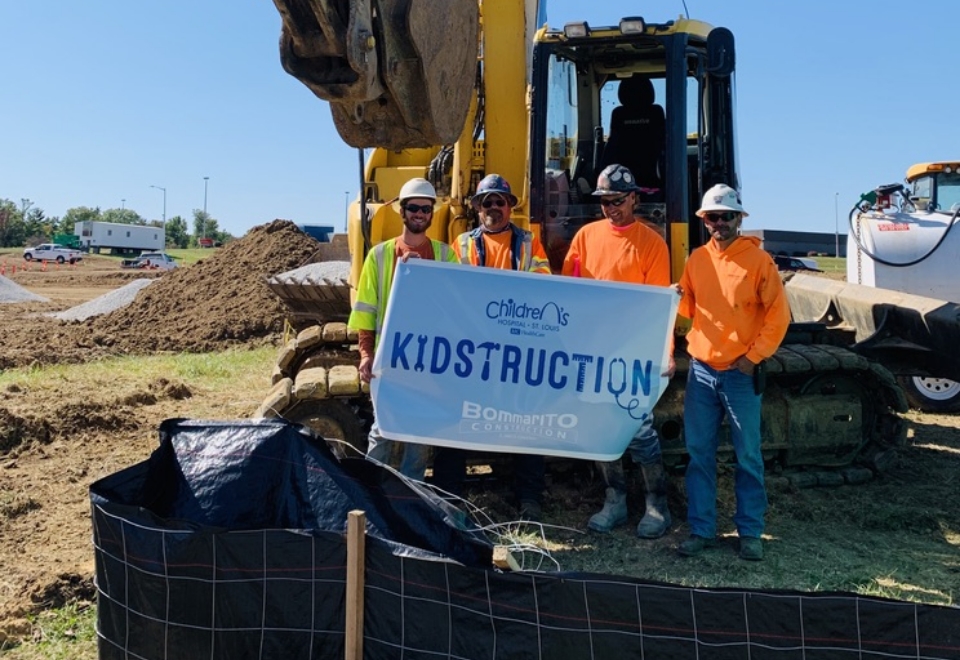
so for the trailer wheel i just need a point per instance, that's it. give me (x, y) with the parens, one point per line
(336, 421)
(932, 394)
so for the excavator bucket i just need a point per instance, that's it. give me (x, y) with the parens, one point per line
(398, 74)
(319, 290)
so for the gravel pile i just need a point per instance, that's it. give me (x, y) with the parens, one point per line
(11, 292)
(336, 271)
(106, 303)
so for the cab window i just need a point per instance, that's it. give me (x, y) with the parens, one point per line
(948, 191)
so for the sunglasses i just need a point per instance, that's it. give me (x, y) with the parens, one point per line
(488, 203)
(614, 202)
(414, 208)
(726, 216)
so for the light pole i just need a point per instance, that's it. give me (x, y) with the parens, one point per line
(346, 206)
(164, 191)
(203, 221)
(123, 203)
(836, 222)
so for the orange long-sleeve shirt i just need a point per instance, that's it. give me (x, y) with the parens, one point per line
(635, 254)
(736, 301)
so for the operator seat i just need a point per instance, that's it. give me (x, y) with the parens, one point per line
(637, 132)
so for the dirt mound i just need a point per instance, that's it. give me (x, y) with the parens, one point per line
(211, 305)
(69, 419)
(221, 300)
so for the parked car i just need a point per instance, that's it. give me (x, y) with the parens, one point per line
(795, 263)
(52, 252)
(151, 260)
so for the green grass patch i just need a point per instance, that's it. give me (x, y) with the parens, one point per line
(235, 368)
(188, 256)
(832, 264)
(66, 633)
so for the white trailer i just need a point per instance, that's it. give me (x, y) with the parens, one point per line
(118, 237)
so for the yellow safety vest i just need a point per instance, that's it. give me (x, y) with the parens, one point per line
(473, 252)
(373, 291)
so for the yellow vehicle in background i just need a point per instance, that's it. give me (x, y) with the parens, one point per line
(496, 90)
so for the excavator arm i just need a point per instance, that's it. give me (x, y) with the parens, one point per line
(398, 74)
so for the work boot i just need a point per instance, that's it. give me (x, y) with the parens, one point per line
(694, 545)
(656, 519)
(751, 548)
(613, 513)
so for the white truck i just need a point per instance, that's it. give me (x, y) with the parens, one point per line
(151, 261)
(119, 237)
(52, 252)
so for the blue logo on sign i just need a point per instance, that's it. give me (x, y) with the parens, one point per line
(509, 309)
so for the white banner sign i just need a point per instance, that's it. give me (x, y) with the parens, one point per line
(494, 360)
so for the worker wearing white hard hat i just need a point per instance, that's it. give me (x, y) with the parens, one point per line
(731, 290)
(415, 203)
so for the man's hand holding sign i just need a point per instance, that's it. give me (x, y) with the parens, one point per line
(507, 361)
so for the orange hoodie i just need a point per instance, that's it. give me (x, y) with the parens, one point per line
(737, 303)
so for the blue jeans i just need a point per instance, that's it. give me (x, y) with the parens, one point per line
(710, 395)
(408, 458)
(644, 449)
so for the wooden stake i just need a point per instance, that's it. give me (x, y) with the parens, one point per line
(356, 544)
(503, 558)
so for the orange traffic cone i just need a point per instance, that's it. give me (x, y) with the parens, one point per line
(44, 266)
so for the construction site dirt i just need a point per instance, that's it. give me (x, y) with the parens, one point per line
(897, 535)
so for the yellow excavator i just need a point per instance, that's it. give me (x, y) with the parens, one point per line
(497, 90)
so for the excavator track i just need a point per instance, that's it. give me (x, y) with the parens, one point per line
(829, 416)
(316, 383)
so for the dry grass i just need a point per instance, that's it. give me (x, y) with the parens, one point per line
(897, 536)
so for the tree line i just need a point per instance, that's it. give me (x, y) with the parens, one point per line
(26, 224)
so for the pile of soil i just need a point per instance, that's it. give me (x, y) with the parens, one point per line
(214, 304)
(221, 300)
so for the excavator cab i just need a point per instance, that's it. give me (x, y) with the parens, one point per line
(656, 98)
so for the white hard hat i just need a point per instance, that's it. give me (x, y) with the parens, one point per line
(417, 188)
(721, 198)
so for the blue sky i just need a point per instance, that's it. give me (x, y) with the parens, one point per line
(104, 98)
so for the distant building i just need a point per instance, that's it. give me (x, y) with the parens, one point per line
(799, 243)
